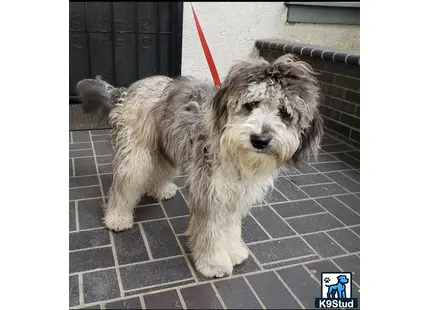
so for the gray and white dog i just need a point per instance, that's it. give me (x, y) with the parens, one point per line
(231, 141)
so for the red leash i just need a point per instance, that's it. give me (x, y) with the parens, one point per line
(206, 50)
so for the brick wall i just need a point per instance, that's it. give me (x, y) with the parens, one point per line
(340, 83)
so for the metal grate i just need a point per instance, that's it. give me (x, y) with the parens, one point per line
(123, 41)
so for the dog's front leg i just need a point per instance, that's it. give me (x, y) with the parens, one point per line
(208, 234)
(237, 249)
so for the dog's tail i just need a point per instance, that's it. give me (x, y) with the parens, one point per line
(98, 95)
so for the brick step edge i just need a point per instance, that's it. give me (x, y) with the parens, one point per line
(313, 51)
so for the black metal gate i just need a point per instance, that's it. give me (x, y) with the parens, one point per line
(147, 40)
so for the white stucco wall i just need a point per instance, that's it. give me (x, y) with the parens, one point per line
(231, 29)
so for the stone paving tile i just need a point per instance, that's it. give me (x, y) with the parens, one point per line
(251, 231)
(340, 211)
(298, 208)
(324, 245)
(276, 250)
(130, 246)
(161, 239)
(91, 180)
(100, 285)
(351, 201)
(236, 294)
(289, 190)
(344, 181)
(273, 224)
(349, 160)
(81, 153)
(331, 166)
(90, 213)
(356, 229)
(200, 297)
(346, 238)
(84, 192)
(314, 223)
(85, 166)
(90, 259)
(309, 179)
(148, 212)
(131, 303)
(350, 263)
(89, 239)
(323, 190)
(81, 136)
(155, 273)
(163, 300)
(73, 291)
(353, 174)
(72, 216)
(180, 224)
(301, 284)
(271, 291)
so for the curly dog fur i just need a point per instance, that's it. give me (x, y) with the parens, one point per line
(231, 141)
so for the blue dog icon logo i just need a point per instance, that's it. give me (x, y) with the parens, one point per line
(337, 290)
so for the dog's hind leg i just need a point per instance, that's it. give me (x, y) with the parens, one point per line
(161, 186)
(330, 293)
(131, 176)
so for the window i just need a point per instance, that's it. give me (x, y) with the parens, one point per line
(346, 13)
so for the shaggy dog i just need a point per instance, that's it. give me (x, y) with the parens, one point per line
(231, 141)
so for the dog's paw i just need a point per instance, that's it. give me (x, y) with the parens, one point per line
(167, 192)
(116, 222)
(238, 252)
(218, 265)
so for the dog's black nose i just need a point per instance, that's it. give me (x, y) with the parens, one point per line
(260, 141)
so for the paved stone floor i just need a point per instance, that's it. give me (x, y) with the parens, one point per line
(309, 224)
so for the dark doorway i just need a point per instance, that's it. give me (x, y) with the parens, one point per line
(123, 41)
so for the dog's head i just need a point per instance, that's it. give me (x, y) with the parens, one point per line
(267, 113)
(342, 279)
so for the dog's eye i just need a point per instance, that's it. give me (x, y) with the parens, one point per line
(249, 106)
(284, 113)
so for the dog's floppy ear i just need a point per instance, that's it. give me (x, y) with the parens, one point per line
(219, 108)
(290, 71)
(310, 140)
